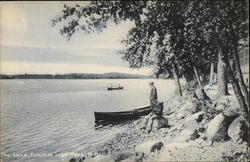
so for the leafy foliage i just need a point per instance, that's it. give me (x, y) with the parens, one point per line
(186, 33)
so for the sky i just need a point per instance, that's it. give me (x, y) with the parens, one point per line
(30, 45)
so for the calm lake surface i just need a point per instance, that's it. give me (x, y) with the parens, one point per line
(57, 116)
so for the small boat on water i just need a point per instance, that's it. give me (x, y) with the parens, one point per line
(114, 88)
(122, 115)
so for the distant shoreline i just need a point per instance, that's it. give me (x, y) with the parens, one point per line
(112, 75)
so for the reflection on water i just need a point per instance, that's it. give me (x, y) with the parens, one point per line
(58, 115)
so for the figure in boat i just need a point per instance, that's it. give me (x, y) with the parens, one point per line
(114, 88)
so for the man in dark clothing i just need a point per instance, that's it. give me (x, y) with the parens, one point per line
(153, 95)
(156, 108)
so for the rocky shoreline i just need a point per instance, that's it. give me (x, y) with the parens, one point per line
(194, 133)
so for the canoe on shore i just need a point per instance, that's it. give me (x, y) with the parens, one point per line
(122, 115)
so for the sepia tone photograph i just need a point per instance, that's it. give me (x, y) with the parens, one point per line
(131, 81)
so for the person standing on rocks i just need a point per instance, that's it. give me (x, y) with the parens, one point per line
(153, 95)
(154, 105)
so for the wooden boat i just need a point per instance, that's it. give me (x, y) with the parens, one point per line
(122, 115)
(114, 88)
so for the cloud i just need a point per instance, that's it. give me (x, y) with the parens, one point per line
(29, 43)
(13, 22)
(14, 67)
(28, 25)
(52, 55)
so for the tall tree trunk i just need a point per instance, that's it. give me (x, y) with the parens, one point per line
(177, 81)
(215, 79)
(197, 77)
(238, 81)
(222, 88)
(238, 93)
(211, 74)
(239, 75)
(237, 62)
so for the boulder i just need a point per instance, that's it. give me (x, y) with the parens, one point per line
(139, 156)
(217, 129)
(192, 124)
(200, 94)
(157, 146)
(160, 122)
(197, 116)
(223, 100)
(218, 126)
(220, 107)
(221, 103)
(131, 160)
(187, 135)
(149, 146)
(132, 156)
(101, 158)
(188, 107)
(181, 115)
(122, 156)
(191, 129)
(231, 114)
(237, 130)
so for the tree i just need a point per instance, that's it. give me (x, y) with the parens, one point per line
(238, 30)
(187, 34)
(170, 21)
(173, 22)
(226, 18)
(222, 88)
(211, 74)
(177, 80)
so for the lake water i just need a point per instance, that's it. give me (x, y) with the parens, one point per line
(57, 116)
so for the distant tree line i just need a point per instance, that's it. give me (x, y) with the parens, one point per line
(75, 76)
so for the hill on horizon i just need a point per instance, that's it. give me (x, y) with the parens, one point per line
(108, 75)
